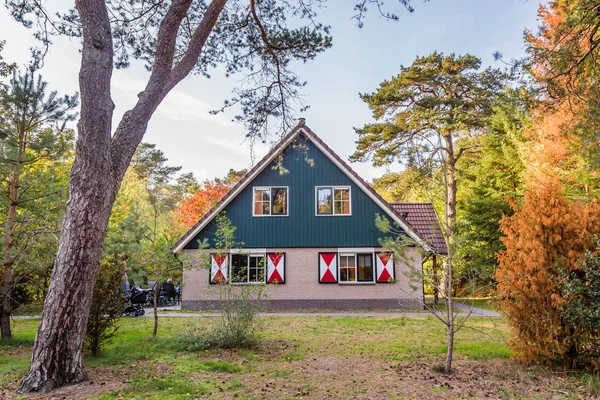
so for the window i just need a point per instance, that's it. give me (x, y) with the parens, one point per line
(270, 201)
(347, 268)
(356, 267)
(256, 270)
(365, 267)
(239, 268)
(333, 200)
(247, 268)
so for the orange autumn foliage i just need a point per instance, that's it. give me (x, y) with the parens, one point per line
(552, 149)
(558, 135)
(546, 233)
(201, 202)
(564, 49)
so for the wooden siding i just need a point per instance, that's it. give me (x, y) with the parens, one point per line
(301, 228)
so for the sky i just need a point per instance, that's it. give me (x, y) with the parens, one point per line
(209, 145)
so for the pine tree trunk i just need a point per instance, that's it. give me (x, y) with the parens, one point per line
(57, 357)
(8, 259)
(6, 306)
(101, 161)
(7, 264)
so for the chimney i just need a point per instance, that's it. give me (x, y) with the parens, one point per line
(301, 121)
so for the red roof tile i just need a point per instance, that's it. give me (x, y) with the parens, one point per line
(422, 217)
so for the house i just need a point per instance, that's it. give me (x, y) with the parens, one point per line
(310, 230)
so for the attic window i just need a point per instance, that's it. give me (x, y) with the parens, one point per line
(404, 214)
(333, 200)
(270, 201)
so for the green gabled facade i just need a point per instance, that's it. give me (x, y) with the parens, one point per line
(307, 167)
(308, 163)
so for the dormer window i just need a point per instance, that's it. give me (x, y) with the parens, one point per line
(333, 200)
(270, 201)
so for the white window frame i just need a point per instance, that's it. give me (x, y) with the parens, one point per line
(270, 188)
(355, 255)
(333, 188)
(248, 256)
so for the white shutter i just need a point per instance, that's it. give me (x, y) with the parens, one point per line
(328, 268)
(218, 268)
(275, 267)
(385, 267)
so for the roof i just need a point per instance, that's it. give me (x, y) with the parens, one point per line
(270, 156)
(422, 217)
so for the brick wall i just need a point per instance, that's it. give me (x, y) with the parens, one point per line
(303, 291)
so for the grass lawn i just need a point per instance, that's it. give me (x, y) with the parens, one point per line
(485, 303)
(310, 357)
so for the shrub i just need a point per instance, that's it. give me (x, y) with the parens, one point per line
(238, 324)
(108, 302)
(545, 237)
(580, 309)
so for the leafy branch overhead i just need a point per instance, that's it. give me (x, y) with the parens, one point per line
(436, 97)
(263, 38)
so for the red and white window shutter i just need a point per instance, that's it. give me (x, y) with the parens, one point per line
(385, 267)
(219, 267)
(328, 268)
(275, 267)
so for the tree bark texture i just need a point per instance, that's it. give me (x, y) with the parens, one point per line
(101, 161)
(57, 357)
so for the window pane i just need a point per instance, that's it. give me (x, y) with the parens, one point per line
(345, 208)
(347, 269)
(266, 209)
(239, 268)
(343, 274)
(365, 267)
(352, 274)
(256, 269)
(324, 201)
(342, 201)
(338, 208)
(279, 200)
(342, 194)
(350, 261)
(262, 201)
